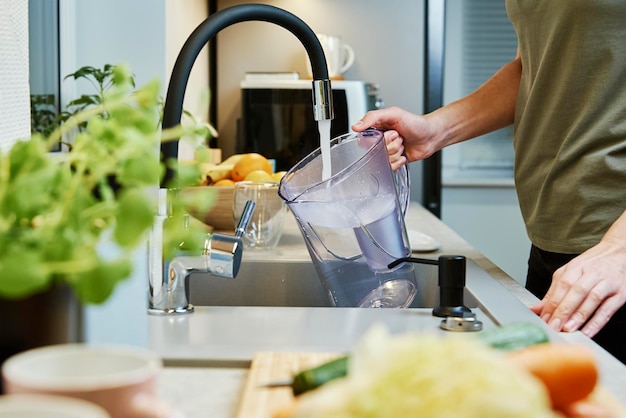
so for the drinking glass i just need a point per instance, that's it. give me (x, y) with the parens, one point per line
(268, 218)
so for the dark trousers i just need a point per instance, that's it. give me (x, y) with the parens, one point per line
(541, 267)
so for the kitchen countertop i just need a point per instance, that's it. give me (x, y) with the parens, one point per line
(207, 354)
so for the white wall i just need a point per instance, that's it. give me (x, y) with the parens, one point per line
(182, 18)
(110, 33)
(121, 31)
(388, 43)
(145, 34)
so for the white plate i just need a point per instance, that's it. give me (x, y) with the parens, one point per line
(421, 243)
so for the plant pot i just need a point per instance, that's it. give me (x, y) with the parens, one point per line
(50, 317)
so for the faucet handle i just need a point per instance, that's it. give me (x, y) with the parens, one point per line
(246, 216)
(225, 251)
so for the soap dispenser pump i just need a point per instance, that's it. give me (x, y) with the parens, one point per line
(451, 276)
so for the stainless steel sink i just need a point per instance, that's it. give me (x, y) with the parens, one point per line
(292, 283)
(286, 277)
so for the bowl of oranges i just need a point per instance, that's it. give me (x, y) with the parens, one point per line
(219, 181)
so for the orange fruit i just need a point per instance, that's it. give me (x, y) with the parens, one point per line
(224, 183)
(259, 175)
(249, 163)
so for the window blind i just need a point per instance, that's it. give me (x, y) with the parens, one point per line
(489, 41)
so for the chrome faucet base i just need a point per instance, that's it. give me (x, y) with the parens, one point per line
(169, 279)
(171, 311)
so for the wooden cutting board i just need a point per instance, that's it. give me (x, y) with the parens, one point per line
(262, 402)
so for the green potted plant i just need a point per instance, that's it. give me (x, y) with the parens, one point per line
(55, 213)
(58, 210)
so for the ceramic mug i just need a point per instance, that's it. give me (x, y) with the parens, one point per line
(120, 379)
(339, 55)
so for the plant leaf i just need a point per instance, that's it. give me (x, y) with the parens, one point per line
(21, 273)
(135, 216)
(142, 169)
(96, 285)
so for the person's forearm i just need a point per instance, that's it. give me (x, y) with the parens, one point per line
(490, 107)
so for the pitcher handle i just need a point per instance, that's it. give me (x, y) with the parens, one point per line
(402, 181)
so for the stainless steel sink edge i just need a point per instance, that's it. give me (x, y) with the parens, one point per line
(495, 301)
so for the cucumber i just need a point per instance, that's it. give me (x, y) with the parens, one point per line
(313, 378)
(507, 337)
(514, 335)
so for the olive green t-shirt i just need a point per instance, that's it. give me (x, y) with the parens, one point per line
(570, 119)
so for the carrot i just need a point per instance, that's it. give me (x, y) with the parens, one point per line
(568, 371)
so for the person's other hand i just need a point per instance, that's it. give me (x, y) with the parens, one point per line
(587, 291)
(409, 137)
(395, 149)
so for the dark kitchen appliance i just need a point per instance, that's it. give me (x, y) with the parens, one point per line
(277, 116)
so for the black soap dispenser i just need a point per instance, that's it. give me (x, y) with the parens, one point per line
(451, 287)
(451, 275)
